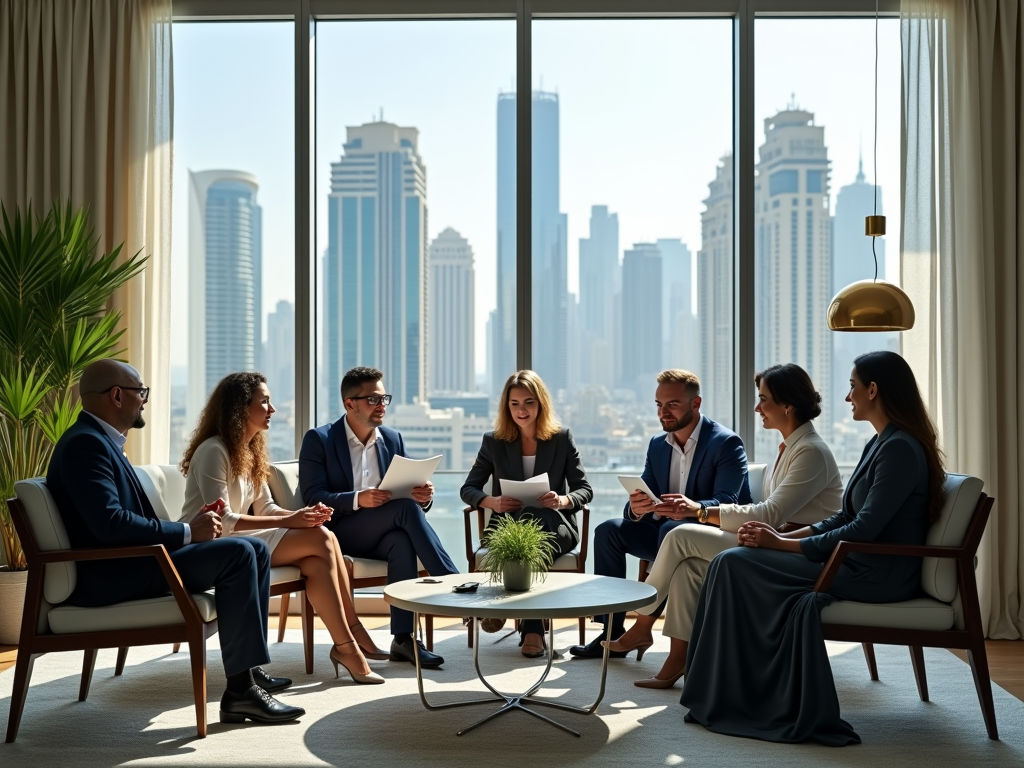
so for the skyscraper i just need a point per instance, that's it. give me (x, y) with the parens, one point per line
(679, 329)
(792, 242)
(279, 353)
(451, 307)
(225, 280)
(641, 317)
(376, 261)
(600, 282)
(714, 296)
(549, 250)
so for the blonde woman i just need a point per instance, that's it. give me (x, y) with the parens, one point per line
(226, 468)
(527, 441)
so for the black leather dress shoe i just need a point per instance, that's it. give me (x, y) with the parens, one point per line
(593, 650)
(268, 683)
(403, 651)
(256, 705)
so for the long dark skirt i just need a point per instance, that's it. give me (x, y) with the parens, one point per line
(756, 664)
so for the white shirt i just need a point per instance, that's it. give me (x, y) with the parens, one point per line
(365, 466)
(682, 459)
(529, 462)
(119, 440)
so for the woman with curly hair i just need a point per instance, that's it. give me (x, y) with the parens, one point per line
(226, 467)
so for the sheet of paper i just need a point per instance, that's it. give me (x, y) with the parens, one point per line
(526, 491)
(633, 483)
(405, 474)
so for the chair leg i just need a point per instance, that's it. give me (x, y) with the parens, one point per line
(282, 617)
(88, 665)
(869, 657)
(177, 647)
(122, 657)
(917, 658)
(583, 630)
(22, 675)
(469, 631)
(307, 633)
(197, 652)
(978, 659)
(430, 632)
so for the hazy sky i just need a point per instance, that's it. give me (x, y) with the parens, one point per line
(645, 116)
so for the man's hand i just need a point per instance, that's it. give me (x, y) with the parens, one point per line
(422, 494)
(373, 497)
(640, 504)
(678, 507)
(501, 503)
(206, 526)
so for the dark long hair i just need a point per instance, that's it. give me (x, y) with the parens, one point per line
(225, 416)
(902, 404)
(791, 385)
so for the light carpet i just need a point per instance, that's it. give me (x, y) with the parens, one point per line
(146, 717)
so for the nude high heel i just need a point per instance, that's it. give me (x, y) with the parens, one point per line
(619, 647)
(339, 658)
(657, 682)
(366, 644)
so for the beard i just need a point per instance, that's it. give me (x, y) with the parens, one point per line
(140, 421)
(681, 423)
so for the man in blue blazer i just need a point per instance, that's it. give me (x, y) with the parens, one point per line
(696, 458)
(341, 465)
(103, 504)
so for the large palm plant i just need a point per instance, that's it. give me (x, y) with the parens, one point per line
(54, 321)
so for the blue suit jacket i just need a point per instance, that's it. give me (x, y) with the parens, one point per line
(103, 504)
(325, 465)
(718, 473)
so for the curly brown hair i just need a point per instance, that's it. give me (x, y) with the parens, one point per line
(225, 416)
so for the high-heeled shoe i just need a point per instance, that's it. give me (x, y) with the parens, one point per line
(366, 644)
(657, 682)
(339, 658)
(619, 647)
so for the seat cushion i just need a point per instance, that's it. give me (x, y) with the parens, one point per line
(566, 562)
(165, 487)
(938, 575)
(755, 476)
(364, 568)
(919, 613)
(132, 614)
(50, 534)
(279, 573)
(284, 484)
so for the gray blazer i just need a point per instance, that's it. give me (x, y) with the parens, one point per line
(500, 460)
(886, 500)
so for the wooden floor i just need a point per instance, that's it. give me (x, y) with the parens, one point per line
(1005, 657)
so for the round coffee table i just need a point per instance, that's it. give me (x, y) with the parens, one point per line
(560, 595)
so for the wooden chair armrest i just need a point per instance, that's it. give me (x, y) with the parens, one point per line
(584, 534)
(878, 548)
(470, 550)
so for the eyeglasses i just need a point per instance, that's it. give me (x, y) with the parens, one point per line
(143, 391)
(375, 400)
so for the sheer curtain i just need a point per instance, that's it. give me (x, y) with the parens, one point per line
(85, 115)
(962, 259)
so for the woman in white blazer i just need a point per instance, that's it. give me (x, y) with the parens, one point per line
(226, 468)
(802, 487)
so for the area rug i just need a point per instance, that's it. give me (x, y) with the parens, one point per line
(145, 717)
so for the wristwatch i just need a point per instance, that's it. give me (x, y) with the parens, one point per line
(702, 516)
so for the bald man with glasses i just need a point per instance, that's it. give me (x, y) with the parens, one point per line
(341, 465)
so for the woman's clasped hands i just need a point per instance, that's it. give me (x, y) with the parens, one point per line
(308, 517)
(757, 534)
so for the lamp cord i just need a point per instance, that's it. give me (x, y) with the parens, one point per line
(874, 190)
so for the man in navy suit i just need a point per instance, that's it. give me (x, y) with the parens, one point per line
(341, 465)
(103, 504)
(695, 458)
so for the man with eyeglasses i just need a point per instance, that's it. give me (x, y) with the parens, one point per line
(103, 504)
(341, 465)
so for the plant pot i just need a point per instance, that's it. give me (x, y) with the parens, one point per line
(517, 577)
(12, 604)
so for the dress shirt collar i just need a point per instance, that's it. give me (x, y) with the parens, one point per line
(691, 441)
(795, 436)
(111, 432)
(354, 441)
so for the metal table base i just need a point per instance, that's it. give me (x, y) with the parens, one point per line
(515, 701)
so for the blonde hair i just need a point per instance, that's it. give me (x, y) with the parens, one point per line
(679, 376)
(505, 428)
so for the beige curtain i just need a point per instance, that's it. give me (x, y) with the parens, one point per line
(962, 259)
(85, 115)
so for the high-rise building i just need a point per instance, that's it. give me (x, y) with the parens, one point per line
(641, 317)
(375, 272)
(549, 250)
(715, 296)
(451, 307)
(792, 245)
(600, 282)
(679, 328)
(225, 280)
(279, 352)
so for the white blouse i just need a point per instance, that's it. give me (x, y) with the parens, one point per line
(210, 478)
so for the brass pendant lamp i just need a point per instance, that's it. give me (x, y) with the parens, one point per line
(872, 305)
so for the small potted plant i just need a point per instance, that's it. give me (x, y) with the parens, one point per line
(517, 551)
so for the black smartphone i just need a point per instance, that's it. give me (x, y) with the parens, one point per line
(429, 581)
(469, 586)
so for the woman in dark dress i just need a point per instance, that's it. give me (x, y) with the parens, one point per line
(757, 664)
(528, 441)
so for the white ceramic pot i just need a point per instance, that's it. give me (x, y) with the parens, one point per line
(517, 577)
(12, 604)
